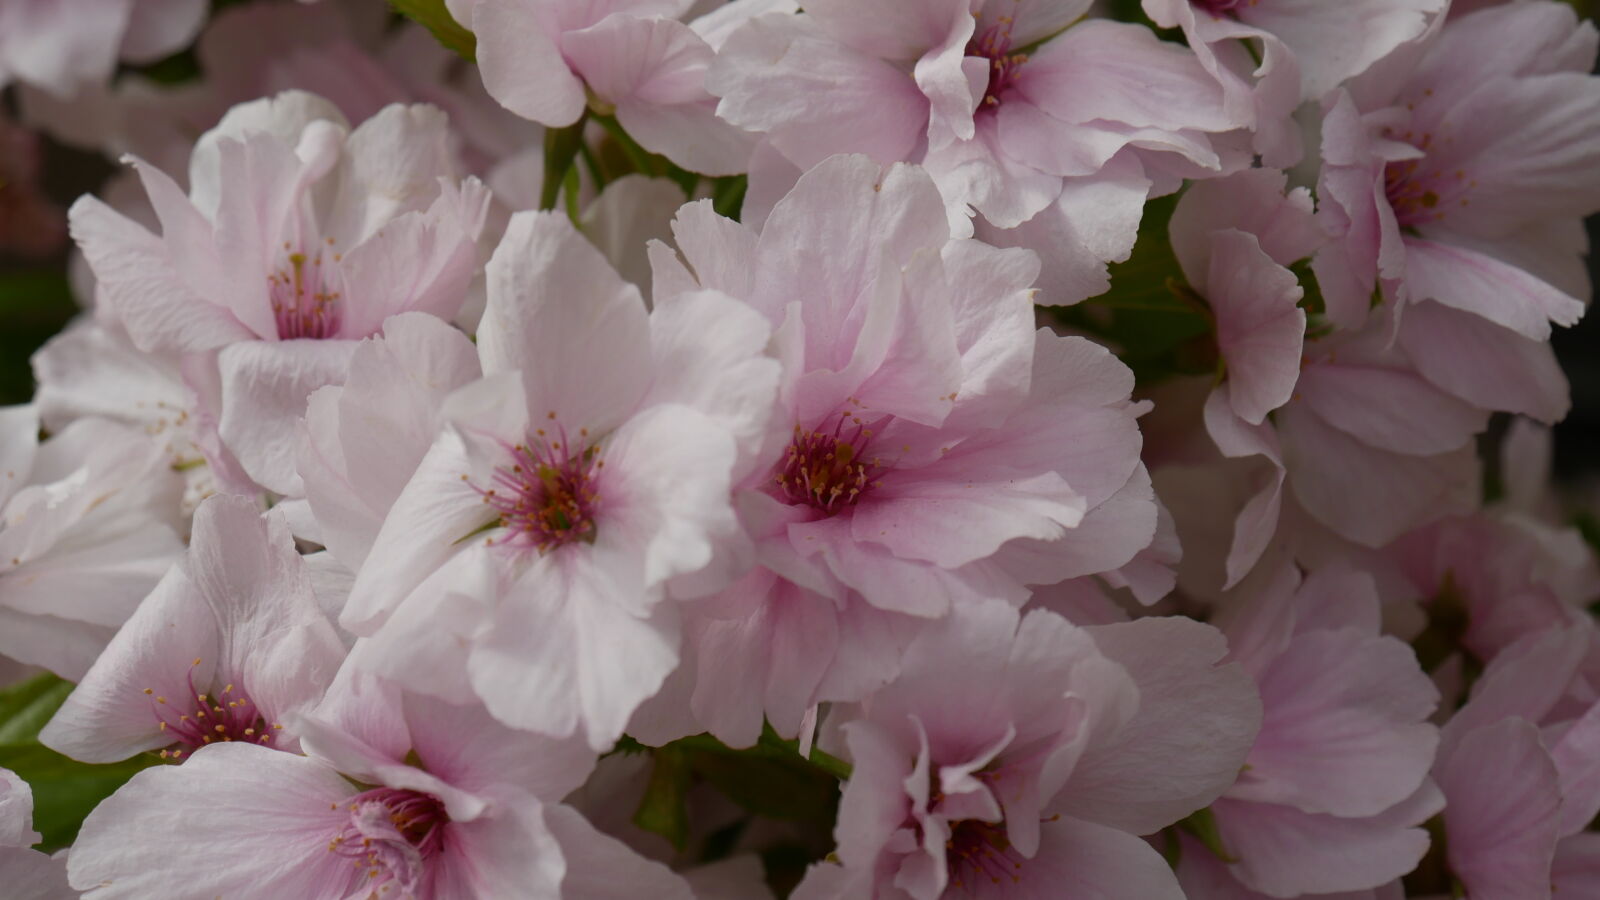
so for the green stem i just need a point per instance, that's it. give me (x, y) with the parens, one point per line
(637, 155)
(561, 147)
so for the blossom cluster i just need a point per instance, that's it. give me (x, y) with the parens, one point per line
(832, 449)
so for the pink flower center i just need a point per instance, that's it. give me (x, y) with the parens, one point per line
(994, 44)
(391, 835)
(547, 497)
(1419, 194)
(979, 850)
(1221, 7)
(829, 470)
(302, 302)
(197, 718)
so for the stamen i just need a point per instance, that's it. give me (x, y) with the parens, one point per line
(829, 470)
(207, 722)
(392, 834)
(548, 496)
(994, 44)
(302, 303)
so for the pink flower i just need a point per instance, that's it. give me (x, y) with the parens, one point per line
(1339, 770)
(88, 522)
(226, 648)
(1464, 183)
(92, 369)
(342, 52)
(1327, 44)
(1494, 582)
(1030, 767)
(930, 446)
(550, 60)
(1518, 763)
(585, 475)
(1076, 133)
(1234, 238)
(361, 441)
(63, 46)
(449, 804)
(1368, 470)
(297, 240)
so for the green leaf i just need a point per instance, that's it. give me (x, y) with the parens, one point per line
(727, 195)
(768, 785)
(664, 807)
(26, 707)
(432, 15)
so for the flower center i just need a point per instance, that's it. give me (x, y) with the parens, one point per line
(391, 834)
(302, 302)
(211, 718)
(1420, 195)
(547, 496)
(980, 850)
(1221, 7)
(994, 44)
(829, 470)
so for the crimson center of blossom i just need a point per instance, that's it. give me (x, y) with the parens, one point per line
(829, 469)
(547, 497)
(200, 718)
(1419, 193)
(391, 834)
(304, 303)
(1221, 7)
(994, 45)
(980, 850)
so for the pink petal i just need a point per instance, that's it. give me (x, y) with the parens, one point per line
(812, 97)
(600, 867)
(1284, 852)
(1345, 726)
(521, 65)
(166, 824)
(1260, 329)
(1504, 810)
(1484, 364)
(555, 306)
(1470, 281)
(265, 386)
(1167, 762)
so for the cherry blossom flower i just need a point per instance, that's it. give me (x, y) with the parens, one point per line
(342, 52)
(298, 238)
(1517, 764)
(550, 60)
(1300, 50)
(226, 648)
(1339, 769)
(361, 441)
(590, 468)
(88, 523)
(65, 45)
(1062, 136)
(915, 398)
(398, 795)
(93, 370)
(1037, 761)
(1428, 199)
